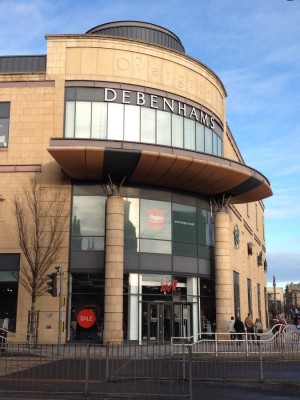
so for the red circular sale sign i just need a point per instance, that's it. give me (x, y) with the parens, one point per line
(86, 318)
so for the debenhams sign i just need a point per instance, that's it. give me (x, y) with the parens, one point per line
(158, 103)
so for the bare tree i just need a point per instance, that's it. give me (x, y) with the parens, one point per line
(41, 220)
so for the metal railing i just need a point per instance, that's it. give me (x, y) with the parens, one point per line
(151, 369)
(7, 337)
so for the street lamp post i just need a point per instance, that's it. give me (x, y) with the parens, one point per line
(60, 272)
(274, 295)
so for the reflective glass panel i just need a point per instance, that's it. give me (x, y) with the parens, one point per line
(208, 141)
(199, 137)
(215, 144)
(219, 147)
(115, 121)
(155, 220)
(147, 125)
(132, 123)
(131, 224)
(163, 128)
(99, 120)
(177, 131)
(83, 119)
(189, 134)
(88, 216)
(184, 249)
(70, 119)
(205, 228)
(184, 223)
(155, 246)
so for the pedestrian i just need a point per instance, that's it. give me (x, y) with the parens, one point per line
(296, 321)
(249, 327)
(258, 328)
(231, 329)
(239, 328)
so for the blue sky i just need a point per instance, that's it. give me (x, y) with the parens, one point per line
(252, 45)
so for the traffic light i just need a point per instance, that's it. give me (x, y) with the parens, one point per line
(53, 284)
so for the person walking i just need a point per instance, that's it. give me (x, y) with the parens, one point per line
(239, 329)
(258, 329)
(231, 328)
(296, 321)
(249, 327)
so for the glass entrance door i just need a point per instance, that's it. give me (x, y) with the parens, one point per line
(156, 322)
(183, 326)
(162, 320)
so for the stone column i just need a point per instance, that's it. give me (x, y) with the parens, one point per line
(114, 266)
(223, 272)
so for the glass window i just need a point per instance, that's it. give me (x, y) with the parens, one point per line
(219, 146)
(184, 223)
(189, 134)
(99, 120)
(115, 121)
(70, 119)
(4, 123)
(236, 294)
(131, 224)
(208, 141)
(205, 229)
(249, 291)
(215, 144)
(155, 246)
(184, 249)
(155, 220)
(199, 137)
(177, 131)
(148, 125)
(88, 221)
(163, 128)
(132, 123)
(205, 252)
(83, 119)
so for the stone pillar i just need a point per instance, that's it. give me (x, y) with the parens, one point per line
(223, 272)
(114, 266)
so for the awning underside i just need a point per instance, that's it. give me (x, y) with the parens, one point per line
(206, 175)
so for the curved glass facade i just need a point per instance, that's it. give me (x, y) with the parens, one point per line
(86, 117)
(166, 236)
(150, 225)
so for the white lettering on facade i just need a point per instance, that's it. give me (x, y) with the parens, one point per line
(126, 98)
(140, 99)
(182, 109)
(153, 101)
(168, 104)
(203, 118)
(109, 94)
(193, 113)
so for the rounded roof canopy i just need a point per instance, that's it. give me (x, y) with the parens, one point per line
(141, 164)
(143, 31)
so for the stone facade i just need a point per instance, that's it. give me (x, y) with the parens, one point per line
(37, 109)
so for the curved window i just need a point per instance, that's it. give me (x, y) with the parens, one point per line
(155, 121)
(181, 226)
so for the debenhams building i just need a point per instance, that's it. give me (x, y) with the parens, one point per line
(165, 233)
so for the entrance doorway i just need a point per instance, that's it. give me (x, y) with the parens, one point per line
(162, 320)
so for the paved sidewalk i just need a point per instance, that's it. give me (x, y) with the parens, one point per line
(201, 391)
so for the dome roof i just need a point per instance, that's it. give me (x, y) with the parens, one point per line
(143, 31)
